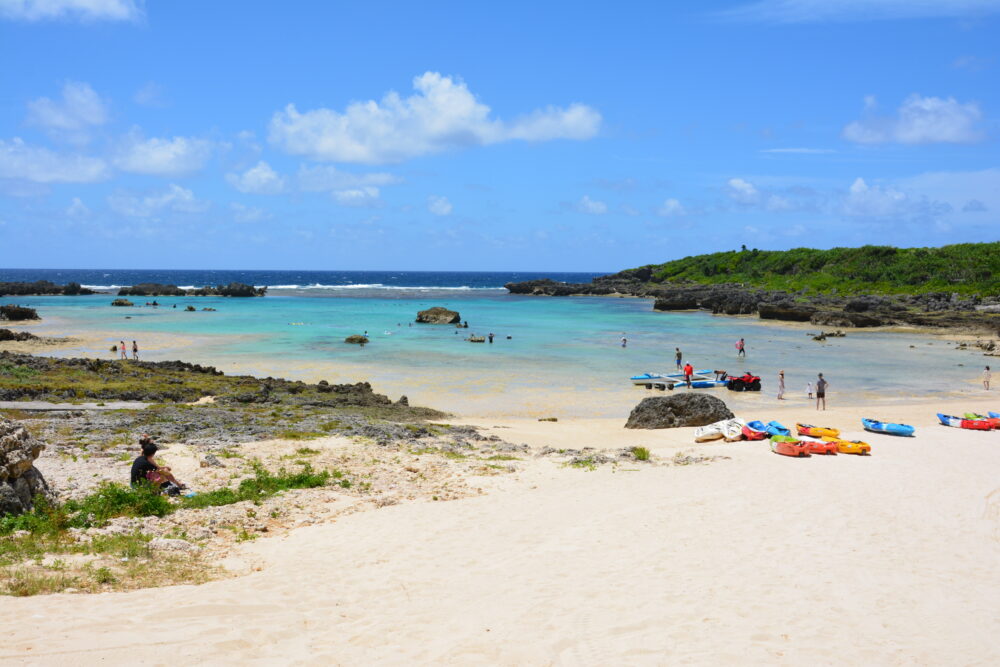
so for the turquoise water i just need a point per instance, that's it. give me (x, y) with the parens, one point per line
(564, 354)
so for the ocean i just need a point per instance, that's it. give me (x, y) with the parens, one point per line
(559, 356)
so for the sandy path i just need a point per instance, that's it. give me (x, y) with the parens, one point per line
(889, 559)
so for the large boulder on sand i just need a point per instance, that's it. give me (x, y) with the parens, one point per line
(687, 409)
(20, 481)
(438, 315)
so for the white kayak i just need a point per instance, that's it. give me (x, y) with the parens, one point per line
(730, 429)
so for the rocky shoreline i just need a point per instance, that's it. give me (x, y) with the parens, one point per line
(932, 309)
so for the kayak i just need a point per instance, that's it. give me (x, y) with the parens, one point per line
(816, 431)
(787, 446)
(850, 446)
(733, 429)
(994, 422)
(708, 433)
(994, 415)
(814, 446)
(958, 422)
(776, 428)
(730, 429)
(876, 426)
(755, 430)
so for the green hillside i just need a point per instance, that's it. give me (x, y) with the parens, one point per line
(967, 268)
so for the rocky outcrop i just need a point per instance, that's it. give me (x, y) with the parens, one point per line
(438, 315)
(20, 481)
(42, 288)
(18, 313)
(357, 339)
(157, 289)
(786, 310)
(687, 409)
(124, 303)
(8, 335)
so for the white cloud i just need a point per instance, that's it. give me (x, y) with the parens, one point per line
(366, 196)
(741, 191)
(920, 120)
(326, 178)
(814, 11)
(79, 110)
(778, 203)
(163, 157)
(439, 205)
(243, 213)
(150, 95)
(591, 206)
(20, 161)
(77, 209)
(259, 179)
(974, 206)
(174, 199)
(671, 208)
(889, 203)
(85, 10)
(443, 114)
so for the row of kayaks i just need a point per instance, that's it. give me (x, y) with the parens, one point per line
(703, 379)
(972, 421)
(810, 440)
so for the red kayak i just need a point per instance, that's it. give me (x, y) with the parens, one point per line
(754, 431)
(976, 424)
(820, 447)
(787, 446)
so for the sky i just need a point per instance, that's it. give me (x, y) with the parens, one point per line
(557, 136)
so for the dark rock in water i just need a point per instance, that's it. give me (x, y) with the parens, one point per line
(786, 310)
(190, 309)
(122, 302)
(20, 481)
(42, 288)
(688, 409)
(157, 289)
(357, 339)
(152, 289)
(7, 334)
(438, 315)
(18, 313)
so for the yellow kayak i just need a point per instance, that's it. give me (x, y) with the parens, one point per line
(817, 431)
(850, 446)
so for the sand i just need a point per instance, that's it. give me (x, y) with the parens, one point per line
(888, 559)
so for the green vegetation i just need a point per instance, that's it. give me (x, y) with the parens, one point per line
(16, 372)
(640, 453)
(967, 268)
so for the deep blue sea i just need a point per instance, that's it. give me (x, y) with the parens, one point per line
(550, 356)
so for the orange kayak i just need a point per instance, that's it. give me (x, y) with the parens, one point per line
(850, 446)
(788, 446)
(819, 447)
(817, 431)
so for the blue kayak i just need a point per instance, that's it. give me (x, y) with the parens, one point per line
(776, 428)
(876, 426)
(994, 415)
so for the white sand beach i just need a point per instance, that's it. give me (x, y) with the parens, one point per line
(758, 558)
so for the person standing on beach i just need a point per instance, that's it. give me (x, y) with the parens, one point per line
(821, 385)
(741, 349)
(688, 372)
(987, 376)
(678, 356)
(135, 350)
(122, 349)
(781, 385)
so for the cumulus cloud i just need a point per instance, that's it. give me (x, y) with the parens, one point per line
(671, 208)
(85, 10)
(443, 114)
(79, 110)
(366, 196)
(326, 178)
(591, 206)
(259, 179)
(920, 120)
(242, 213)
(163, 157)
(21, 161)
(742, 192)
(174, 199)
(879, 202)
(816, 11)
(77, 209)
(439, 205)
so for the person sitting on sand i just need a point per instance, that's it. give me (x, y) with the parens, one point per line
(144, 468)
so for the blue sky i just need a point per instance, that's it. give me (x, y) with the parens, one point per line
(490, 136)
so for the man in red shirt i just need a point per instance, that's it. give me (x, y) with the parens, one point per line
(688, 372)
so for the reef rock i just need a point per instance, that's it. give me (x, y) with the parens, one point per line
(20, 481)
(687, 409)
(438, 315)
(18, 313)
(357, 339)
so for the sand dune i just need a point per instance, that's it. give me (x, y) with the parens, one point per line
(888, 559)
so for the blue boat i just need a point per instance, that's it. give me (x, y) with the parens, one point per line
(876, 426)
(699, 380)
(994, 415)
(777, 428)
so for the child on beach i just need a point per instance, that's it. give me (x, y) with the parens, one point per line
(145, 469)
(809, 389)
(741, 348)
(781, 385)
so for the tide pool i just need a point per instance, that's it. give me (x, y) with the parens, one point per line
(563, 355)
